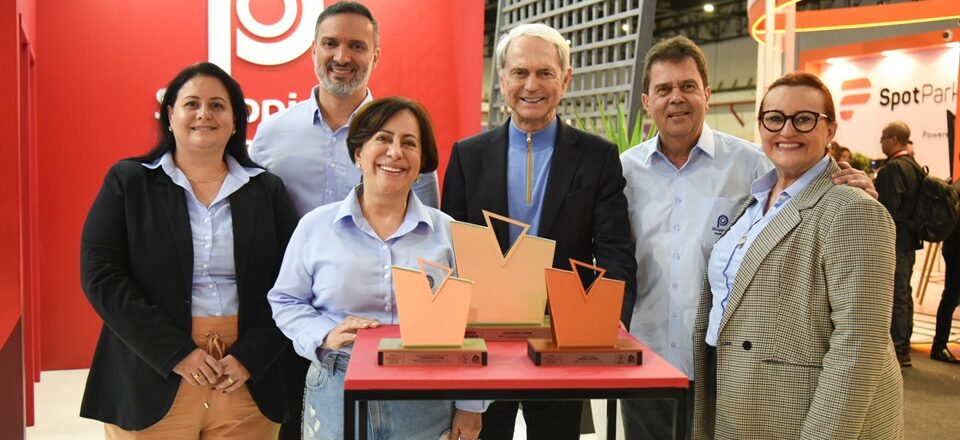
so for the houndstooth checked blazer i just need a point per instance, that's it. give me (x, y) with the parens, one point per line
(804, 348)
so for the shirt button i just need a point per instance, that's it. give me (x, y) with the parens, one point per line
(386, 267)
(386, 275)
(384, 247)
(674, 315)
(210, 285)
(329, 192)
(673, 345)
(676, 257)
(214, 293)
(204, 266)
(676, 227)
(386, 308)
(206, 237)
(333, 165)
(674, 285)
(677, 200)
(205, 273)
(206, 246)
(206, 220)
(219, 314)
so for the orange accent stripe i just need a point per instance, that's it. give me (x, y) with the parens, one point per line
(859, 83)
(855, 99)
(846, 114)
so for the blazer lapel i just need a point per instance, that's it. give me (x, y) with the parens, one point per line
(494, 162)
(772, 234)
(563, 166)
(243, 208)
(174, 205)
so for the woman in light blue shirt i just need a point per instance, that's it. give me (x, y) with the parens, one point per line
(336, 276)
(791, 339)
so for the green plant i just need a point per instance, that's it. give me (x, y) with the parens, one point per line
(860, 162)
(614, 127)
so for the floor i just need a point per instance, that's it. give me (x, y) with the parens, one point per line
(58, 393)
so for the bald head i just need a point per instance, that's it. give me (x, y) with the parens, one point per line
(894, 138)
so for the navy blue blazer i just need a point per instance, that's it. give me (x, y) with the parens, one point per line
(136, 267)
(584, 208)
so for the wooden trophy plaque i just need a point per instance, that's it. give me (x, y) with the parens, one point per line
(510, 295)
(432, 323)
(585, 321)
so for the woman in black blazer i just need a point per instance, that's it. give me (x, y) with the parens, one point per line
(178, 252)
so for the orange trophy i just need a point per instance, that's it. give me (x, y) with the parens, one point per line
(585, 321)
(510, 296)
(432, 321)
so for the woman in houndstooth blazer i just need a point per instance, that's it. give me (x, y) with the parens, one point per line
(792, 335)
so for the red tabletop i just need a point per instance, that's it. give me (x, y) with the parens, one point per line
(508, 367)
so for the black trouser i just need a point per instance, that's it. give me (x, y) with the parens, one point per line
(951, 292)
(652, 419)
(545, 419)
(901, 325)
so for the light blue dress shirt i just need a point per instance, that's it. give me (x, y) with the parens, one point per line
(542, 153)
(214, 291)
(675, 216)
(298, 145)
(336, 265)
(729, 251)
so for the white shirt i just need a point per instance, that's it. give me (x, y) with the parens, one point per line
(676, 215)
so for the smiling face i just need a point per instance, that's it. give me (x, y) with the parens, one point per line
(201, 118)
(533, 81)
(390, 159)
(344, 54)
(678, 101)
(792, 152)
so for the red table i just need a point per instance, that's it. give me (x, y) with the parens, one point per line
(508, 375)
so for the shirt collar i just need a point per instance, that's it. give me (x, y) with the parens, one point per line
(417, 213)
(545, 138)
(237, 175)
(317, 118)
(705, 143)
(761, 187)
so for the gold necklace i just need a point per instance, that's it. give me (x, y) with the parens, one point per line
(215, 179)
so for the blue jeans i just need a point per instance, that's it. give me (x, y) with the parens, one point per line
(407, 419)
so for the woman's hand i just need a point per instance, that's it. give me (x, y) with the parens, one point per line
(199, 368)
(466, 425)
(234, 374)
(346, 332)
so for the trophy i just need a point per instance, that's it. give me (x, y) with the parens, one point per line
(586, 321)
(510, 296)
(432, 321)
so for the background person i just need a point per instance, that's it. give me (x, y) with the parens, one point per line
(178, 252)
(791, 336)
(565, 183)
(948, 301)
(336, 274)
(897, 183)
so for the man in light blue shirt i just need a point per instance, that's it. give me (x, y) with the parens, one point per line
(683, 189)
(306, 144)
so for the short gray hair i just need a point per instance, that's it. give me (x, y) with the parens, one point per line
(542, 31)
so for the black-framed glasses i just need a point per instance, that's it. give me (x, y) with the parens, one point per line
(803, 122)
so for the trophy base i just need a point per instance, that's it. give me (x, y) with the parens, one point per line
(496, 332)
(473, 353)
(545, 352)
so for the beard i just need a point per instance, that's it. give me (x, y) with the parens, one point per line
(338, 87)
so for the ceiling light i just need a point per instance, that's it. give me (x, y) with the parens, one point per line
(708, 8)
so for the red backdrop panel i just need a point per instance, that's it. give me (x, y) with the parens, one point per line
(101, 63)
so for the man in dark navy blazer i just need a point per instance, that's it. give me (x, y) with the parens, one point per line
(566, 183)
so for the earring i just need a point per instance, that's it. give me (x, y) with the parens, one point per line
(358, 165)
(234, 132)
(418, 179)
(169, 128)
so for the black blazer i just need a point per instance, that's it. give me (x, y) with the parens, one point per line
(136, 267)
(584, 209)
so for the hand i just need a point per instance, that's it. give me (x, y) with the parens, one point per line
(199, 368)
(466, 425)
(234, 374)
(346, 332)
(853, 177)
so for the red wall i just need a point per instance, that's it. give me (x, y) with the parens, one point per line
(101, 63)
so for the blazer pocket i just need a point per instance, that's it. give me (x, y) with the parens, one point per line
(789, 389)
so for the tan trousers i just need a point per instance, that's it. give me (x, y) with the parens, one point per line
(199, 413)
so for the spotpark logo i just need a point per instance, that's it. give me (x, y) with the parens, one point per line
(855, 92)
(275, 45)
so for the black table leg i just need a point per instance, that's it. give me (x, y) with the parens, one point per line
(349, 418)
(680, 415)
(363, 420)
(612, 419)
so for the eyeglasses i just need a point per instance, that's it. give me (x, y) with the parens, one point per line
(803, 122)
